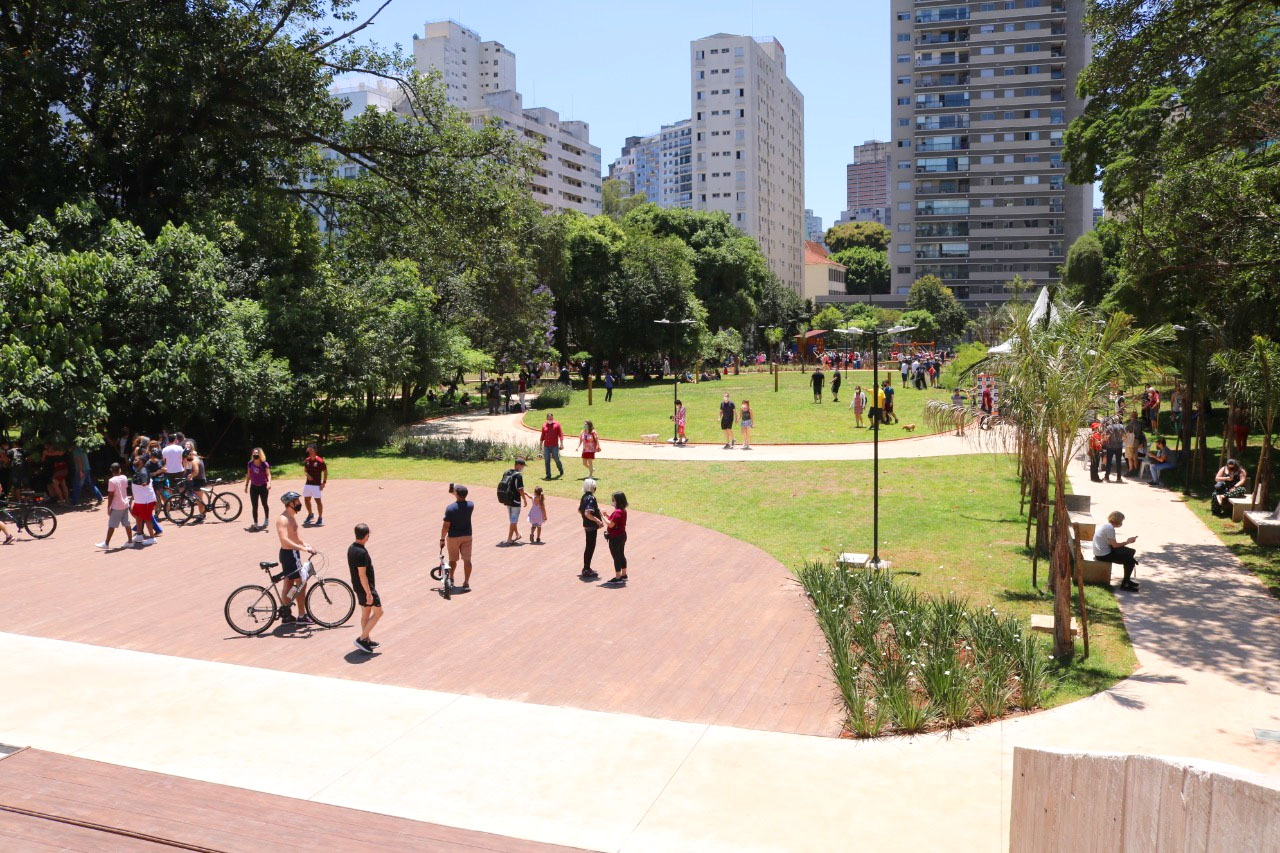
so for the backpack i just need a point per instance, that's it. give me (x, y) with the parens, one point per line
(506, 488)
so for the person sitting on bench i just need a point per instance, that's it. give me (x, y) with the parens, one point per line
(1161, 459)
(1228, 483)
(1108, 549)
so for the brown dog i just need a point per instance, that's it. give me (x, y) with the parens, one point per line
(908, 427)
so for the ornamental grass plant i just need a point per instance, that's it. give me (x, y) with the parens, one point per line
(905, 662)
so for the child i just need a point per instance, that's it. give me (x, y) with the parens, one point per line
(537, 515)
(679, 417)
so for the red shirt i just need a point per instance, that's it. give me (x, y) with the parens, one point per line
(552, 435)
(619, 519)
(315, 467)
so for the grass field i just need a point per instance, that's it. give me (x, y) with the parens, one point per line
(948, 524)
(788, 417)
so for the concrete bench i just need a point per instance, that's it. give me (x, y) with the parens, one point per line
(1239, 506)
(851, 560)
(1263, 526)
(1043, 623)
(1091, 571)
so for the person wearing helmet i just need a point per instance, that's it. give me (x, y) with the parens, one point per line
(591, 524)
(291, 546)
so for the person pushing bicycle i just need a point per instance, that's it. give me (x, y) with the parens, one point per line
(291, 547)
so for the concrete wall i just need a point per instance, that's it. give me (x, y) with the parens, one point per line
(1074, 801)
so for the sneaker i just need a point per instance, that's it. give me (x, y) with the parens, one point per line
(371, 644)
(103, 545)
(148, 540)
(589, 573)
(319, 523)
(466, 587)
(159, 530)
(137, 539)
(726, 447)
(311, 516)
(286, 614)
(363, 645)
(305, 619)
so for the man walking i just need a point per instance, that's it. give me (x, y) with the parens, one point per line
(816, 380)
(888, 402)
(362, 581)
(317, 471)
(455, 532)
(1115, 449)
(117, 505)
(552, 444)
(511, 492)
(591, 524)
(835, 386)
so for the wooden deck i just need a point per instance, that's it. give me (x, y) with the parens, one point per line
(709, 629)
(55, 802)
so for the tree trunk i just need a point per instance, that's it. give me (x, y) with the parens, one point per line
(1228, 431)
(1264, 471)
(1201, 441)
(1060, 569)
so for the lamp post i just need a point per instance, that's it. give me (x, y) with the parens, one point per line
(675, 374)
(874, 334)
(773, 363)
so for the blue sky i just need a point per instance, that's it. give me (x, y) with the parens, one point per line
(623, 67)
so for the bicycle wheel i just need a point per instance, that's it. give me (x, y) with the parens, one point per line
(178, 509)
(331, 602)
(40, 522)
(251, 610)
(446, 588)
(226, 506)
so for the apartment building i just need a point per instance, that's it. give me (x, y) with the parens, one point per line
(813, 227)
(658, 166)
(480, 79)
(748, 145)
(867, 184)
(638, 167)
(982, 92)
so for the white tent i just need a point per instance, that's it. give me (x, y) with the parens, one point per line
(1037, 314)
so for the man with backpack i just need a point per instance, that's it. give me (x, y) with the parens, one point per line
(512, 495)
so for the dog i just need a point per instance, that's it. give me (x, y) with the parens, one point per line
(908, 427)
(649, 438)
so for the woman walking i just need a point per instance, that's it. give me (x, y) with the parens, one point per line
(616, 535)
(591, 524)
(746, 421)
(589, 445)
(858, 404)
(727, 412)
(257, 482)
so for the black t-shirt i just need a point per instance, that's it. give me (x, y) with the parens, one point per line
(18, 459)
(817, 379)
(358, 556)
(459, 517)
(726, 411)
(517, 485)
(589, 510)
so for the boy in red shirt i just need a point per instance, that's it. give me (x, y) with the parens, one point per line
(317, 479)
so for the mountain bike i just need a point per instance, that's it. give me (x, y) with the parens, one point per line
(180, 506)
(25, 514)
(252, 609)
(444, 574)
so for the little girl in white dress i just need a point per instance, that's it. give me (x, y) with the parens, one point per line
(537, 515)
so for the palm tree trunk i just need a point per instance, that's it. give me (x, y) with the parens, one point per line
(1060, 568)
(1228, 431)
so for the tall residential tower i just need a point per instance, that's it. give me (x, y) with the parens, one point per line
(982, 92)
(867, 184)
(748, 145)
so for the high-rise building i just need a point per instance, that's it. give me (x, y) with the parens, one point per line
(867, 184)
(638, 167)
(480, 78)
(658, 166)
(982, 92)
(748, 145)
(813, 231)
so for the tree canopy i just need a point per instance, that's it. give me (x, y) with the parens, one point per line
(871, 235)
(929, 294)
(867, 269)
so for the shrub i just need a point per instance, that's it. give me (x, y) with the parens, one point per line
(905, 662)
(462, 449)
(552, 396)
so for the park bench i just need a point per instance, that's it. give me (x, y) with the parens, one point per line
(1091, 571)
(1263, 526)
(1239, 506)
(1177, 457)
(1079, 503)
(1043, 623)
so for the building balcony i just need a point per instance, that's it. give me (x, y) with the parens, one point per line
(1053, 11)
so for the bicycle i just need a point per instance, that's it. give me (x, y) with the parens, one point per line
(225, 506)
(252, 609)
(26, 514)
(444, 574)
(180, 506)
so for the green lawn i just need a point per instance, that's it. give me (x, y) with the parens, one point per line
(787, 417)
(948, 524)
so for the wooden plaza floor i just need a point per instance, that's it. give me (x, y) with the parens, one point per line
(709, 629)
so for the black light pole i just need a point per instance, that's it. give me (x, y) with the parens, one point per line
(874, 334)
(675, 375)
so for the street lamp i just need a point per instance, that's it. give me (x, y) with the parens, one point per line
(773, 362)
(874, 334)
(675, 374)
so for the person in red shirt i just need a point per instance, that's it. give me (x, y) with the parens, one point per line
(317, 479)
(552, 444)
(616, 535)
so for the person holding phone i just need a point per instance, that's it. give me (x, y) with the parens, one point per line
(1108, 549)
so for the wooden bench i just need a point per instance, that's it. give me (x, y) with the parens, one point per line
(1263, 526)
(1091, 571)
(1239, 506)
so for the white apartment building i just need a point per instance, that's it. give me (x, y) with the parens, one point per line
(480, 79)
(658, 166)
(813, 230)
(748, 145)
(982, 92)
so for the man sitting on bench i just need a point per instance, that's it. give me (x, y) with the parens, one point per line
(1110, 550)
(1161, 459)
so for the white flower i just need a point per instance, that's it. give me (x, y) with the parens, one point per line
(948, 672)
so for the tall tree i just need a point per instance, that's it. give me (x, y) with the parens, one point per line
(847, 235)
(866, 269)
(929, 294)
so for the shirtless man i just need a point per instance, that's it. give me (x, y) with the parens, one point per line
(290, 557)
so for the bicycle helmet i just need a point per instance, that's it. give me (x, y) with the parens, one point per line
(290, 497)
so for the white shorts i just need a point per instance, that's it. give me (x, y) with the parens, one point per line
(310, 491)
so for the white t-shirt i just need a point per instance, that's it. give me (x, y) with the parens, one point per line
(143, 494)
(1102, 539)
(172, 458)
(118, 488)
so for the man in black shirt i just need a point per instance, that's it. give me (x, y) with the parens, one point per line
(816, 380)
(515, 498)
(591, 524)
(456, 531)
(362, 581)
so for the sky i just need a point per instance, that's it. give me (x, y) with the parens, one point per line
(623, 67)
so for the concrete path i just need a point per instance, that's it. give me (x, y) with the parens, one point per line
(510, 428)
(1204, 629)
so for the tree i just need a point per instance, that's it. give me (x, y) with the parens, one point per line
(615, 200)
(1083, 272)
(1252, 376)
(929, 294)
(926, 325)
(830, 317)
(870, 235)
(867, 269)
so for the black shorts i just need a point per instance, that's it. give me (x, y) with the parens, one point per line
(359, 588)
(290, 564)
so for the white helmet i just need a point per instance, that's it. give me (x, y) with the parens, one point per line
(589, 485)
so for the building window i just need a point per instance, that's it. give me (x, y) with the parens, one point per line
(904, 16)
(903, 102)
(903, 248)
(904, 270)
(904, 57)
(904, 36)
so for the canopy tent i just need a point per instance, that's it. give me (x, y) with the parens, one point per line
(1037, 314)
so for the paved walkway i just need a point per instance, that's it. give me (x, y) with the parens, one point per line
(1204, 630)
(510, 428)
